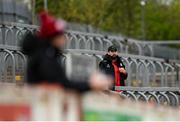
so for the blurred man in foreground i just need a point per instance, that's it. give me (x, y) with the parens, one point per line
(112, 65)
(44, 51)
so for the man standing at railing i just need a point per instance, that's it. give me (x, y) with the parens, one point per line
(113, 66)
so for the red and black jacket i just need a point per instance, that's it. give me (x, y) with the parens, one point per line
(107, 67)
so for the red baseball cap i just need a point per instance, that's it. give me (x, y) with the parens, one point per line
(49, 26)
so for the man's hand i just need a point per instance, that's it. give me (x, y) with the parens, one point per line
(122, 70)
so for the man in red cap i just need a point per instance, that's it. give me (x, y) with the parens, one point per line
(43, 51)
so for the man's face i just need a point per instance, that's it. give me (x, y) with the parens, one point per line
(112, 53)
(59, 41)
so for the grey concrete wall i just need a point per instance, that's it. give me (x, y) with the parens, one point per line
(14, 11)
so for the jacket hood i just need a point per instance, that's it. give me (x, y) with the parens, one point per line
(107, 57)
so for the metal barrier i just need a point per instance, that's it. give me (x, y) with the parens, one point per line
(143, 71)
(80, 40)
(159, 95)
(11, 33)
(13, 64)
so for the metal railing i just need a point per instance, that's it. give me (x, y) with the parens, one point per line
(11, 34)
(143, 71)
(13, 64)
(159, 95)
(80, 40)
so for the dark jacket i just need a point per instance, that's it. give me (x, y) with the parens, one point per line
(106, 67)
(44, 64)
